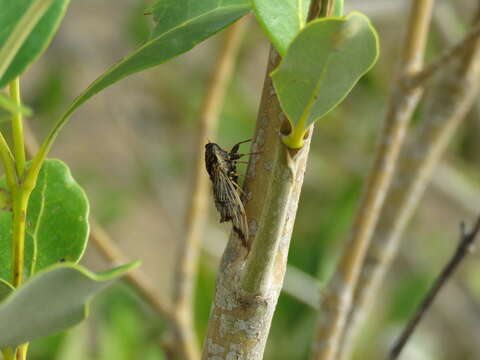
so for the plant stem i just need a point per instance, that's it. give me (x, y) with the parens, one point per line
(21, 31)
(258, 273)
(9, 354)
(14, 170)
(337, 301)
(22, 352)
(446, 106)
(240, 319)
(8, 164)
(327, 8)
(452, 53)
(20, 202)
(463, 249)
(17, 129)
(20, 194)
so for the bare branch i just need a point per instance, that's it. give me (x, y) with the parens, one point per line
(336, 304)
(467, 240)
(456, 51)
(446, 106)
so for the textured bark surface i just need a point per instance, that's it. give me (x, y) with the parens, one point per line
(240, 320)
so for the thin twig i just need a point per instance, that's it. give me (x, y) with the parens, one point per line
(460, 190)
(464, 248)
(446, 106)
(336, 304)
(452, 53)
(195, 220)
(138, 279)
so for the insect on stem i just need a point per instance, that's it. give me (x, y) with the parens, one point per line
(222, 168)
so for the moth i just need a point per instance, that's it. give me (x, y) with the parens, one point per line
(222, 168)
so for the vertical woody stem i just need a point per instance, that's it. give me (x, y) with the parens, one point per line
(243, 307)
(338, 296)
(245, 300)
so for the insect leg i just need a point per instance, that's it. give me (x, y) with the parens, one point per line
(237, 146)
(238, 156)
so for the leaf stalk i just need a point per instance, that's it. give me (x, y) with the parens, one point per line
(17, 129)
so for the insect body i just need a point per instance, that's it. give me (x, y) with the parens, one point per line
(222, 168)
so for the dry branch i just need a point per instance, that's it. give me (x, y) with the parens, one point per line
(451, 54)
(336, 303)
(447, 104)
(463, 249)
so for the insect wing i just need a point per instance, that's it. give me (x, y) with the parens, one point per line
(230, 205)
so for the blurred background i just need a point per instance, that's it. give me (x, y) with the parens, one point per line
(131, 148)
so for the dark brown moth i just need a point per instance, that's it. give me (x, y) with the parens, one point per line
(222, 168)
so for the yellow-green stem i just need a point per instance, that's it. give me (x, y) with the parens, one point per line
(9, 354)
(22, 352)
(8, 164)
(294, 140)
(20, 202)
(17, 129)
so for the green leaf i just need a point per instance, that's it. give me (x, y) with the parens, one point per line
(321, 66)
(55, 299)
(21, 41)
(9, 105)
(181, 24)
(281, 20)
(57, 221)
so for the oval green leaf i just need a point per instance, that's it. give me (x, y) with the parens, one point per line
(57, 221)
(54, 300)
(281, 20)
(321, 66)
(21, 43)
